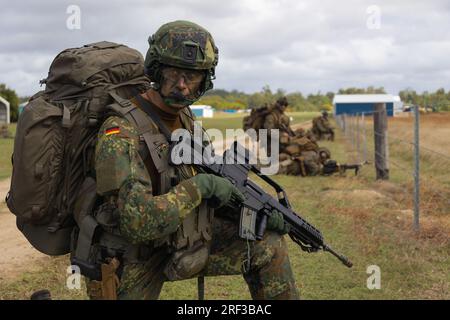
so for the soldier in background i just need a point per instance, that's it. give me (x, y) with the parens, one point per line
(305, 158)
(256, 118)
(322, 128)
(277, 119)
(299, 152)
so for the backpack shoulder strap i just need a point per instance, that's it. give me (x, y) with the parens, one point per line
(150, 133)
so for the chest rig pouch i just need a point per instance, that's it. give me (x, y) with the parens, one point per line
(189, 246)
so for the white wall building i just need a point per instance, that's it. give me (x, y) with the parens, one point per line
(202, 111)
(4, 111)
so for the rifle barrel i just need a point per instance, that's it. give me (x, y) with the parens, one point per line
(341, 257)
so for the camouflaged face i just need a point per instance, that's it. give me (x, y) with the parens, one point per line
(120, 170)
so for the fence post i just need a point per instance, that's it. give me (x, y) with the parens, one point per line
(344, 122)
(358, 147)
(416, 169)
(381, 146)
(352, 134)
(364, 138)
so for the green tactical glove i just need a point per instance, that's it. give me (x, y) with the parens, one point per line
(276, 223)
(219, 191)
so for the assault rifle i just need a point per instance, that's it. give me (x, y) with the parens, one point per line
(344, 167)
(259, 205)
(331, 167)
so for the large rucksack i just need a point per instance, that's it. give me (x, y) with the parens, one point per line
(256, 119)
(56, 136)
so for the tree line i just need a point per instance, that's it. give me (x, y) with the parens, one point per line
(221, 99)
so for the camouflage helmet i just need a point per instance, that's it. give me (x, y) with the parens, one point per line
(182, 44)
(325, 113)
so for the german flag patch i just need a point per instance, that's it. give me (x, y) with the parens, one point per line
(113, 130)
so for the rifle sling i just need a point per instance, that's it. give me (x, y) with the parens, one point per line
(147, 107)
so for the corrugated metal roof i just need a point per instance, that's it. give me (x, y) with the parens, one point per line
(360, 98)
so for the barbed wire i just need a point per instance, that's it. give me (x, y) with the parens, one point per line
(389, 161)
(421, 147)
(402, 140)
(433, 189)
(435, 152)
(353, 135)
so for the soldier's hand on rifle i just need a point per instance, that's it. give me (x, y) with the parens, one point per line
(219, 191)
(276, 223)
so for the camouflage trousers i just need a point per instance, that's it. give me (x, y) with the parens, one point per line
(268, 272)
(307, 164)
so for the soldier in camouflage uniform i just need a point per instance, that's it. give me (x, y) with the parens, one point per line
(303, 157)
(277, 119)
(322, 128)
(168, 231)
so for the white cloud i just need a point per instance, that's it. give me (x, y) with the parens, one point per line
(296, 45)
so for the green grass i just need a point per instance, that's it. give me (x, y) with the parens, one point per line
(369, 230)
(223, 122)
(6, 149)
(299, 117)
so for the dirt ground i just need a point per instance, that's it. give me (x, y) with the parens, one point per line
(17, 255)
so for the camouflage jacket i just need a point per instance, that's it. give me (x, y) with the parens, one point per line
(276, 120)
(120, 171)
(322, 124)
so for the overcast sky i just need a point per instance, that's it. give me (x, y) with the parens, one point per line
(296, 45)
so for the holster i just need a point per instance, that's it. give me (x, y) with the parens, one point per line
(106, 288)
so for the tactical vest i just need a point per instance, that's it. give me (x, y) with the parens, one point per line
(187, 249)
(191, 241)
